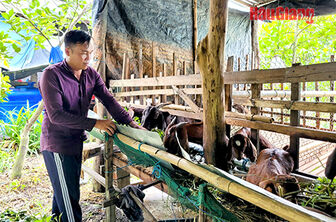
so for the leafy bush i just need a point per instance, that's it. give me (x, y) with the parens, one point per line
(4, 87)
(6, 160)
(16, 122)
(10, 215)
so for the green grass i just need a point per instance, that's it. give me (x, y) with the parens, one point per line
(11, 130)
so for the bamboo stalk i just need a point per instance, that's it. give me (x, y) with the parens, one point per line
(233, 185)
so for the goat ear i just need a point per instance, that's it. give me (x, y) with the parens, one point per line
(269, 186)
(286, 148)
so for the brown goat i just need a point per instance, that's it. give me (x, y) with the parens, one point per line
(330, 170)
(180, 135)
(272, 172)
(244, 146)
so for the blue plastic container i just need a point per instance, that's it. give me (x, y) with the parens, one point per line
(18, 99)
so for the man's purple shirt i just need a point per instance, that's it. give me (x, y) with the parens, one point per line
(66, 101)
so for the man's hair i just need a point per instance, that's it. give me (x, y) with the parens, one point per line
(76, 37)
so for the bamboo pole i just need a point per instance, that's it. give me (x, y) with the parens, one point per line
(234, 185)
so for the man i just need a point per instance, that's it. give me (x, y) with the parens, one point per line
(67, 88)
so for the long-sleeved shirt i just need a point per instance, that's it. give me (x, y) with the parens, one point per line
(66, 101)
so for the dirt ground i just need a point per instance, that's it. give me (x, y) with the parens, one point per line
(33, 193)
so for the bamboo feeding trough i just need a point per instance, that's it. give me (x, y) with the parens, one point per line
(233, 185)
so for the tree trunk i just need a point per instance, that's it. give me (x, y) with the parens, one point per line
(20, 157)
(210, 59)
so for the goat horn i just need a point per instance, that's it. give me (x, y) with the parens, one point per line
(162, 105)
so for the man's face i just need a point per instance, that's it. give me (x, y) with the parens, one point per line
(79, 55)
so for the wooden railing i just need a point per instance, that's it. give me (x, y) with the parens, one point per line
(256, 97)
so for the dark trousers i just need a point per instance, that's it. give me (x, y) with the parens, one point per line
(64, 173)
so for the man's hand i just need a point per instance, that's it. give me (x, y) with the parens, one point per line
(135, 125)
(106, 125)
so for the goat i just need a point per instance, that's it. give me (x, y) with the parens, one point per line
(153, 117)
(178, 136)
(330, 170)
(244, 146)
(272, 171)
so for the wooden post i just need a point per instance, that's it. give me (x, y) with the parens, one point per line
(210, 59)
(127, 76)
(141, 72)
(99, 36)
(153, 68)
(304, 112)
(108, 153)
(123, 177)
(317, 99)
(194, 34)
(176, 97)
(164, 70)
(282, 116)
(130, 89)
(332, 98)
(255, 88)
(294, 143)
(228, 94)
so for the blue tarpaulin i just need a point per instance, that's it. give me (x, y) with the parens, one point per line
(56, 55)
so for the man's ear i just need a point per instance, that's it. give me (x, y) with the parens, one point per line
(67, 51)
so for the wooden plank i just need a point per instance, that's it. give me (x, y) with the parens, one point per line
(307, 73)
(120, 160)
(19, 74)
(296, 105)
(108, 153)
(96, 176)
(158, 92)
(159, 81)
(284, 129)
(185, 97)
(175, 73)
(294, 141)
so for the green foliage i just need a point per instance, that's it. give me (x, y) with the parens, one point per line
(10, 216)
(4, 86)
(6, 159)
(40, 21)
(160, 132)
(17, 121)
(297, 41)
(320, 195)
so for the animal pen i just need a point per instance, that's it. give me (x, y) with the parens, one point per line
(154, 71)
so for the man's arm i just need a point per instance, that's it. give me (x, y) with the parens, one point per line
(52, 97)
